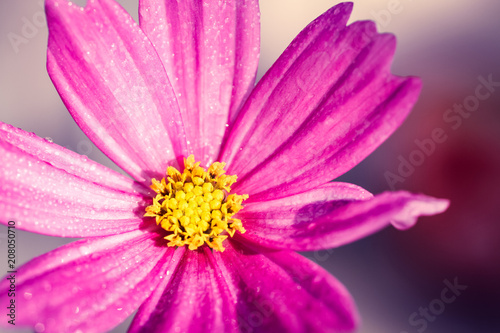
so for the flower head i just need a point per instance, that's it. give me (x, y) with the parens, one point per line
(205, 244)
(195, 206)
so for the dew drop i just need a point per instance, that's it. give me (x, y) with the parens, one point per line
(39, 327)
(84, 250)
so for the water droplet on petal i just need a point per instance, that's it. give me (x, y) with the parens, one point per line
(39, 327)
(84, 250)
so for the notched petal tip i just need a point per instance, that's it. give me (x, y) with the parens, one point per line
(415, 82)
(338, 13)
(343, 8)
(421, 205)
(409, 91)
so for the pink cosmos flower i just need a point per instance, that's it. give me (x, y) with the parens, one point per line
(179, 84)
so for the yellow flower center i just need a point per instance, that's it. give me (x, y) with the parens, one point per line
(196, 205)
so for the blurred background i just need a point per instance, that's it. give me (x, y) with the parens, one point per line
(453, 46)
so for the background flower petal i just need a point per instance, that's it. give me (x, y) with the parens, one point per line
(210, 51)
(313, 221)
(113, 83)
(284, 292)
(192, 298)
(331, 90)
(51, 190)
(89, 285)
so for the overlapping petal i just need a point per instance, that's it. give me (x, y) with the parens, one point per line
(51, 190)
(192, 298)
(89, 285)
(114, 85)
(322, 219)
(284, 292)
(210, 50)
(327, 103)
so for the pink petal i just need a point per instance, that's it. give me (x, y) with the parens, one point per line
(327, 103)
(210, 51)
(113, 83)
(282, 96)
(51, 190)
(89, 285)
(284, 292)
(322, 218)
(192, 298)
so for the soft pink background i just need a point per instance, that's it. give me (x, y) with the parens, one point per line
(449, 43)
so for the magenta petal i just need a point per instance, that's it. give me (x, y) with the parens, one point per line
(191, 298)
(113, 83)
(283, 97)
(51, 190)
(327, 103)
(210, 50)
(313, 221)
(284, 292)
(89, 285)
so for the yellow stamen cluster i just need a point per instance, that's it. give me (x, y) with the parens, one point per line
(196, 205)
